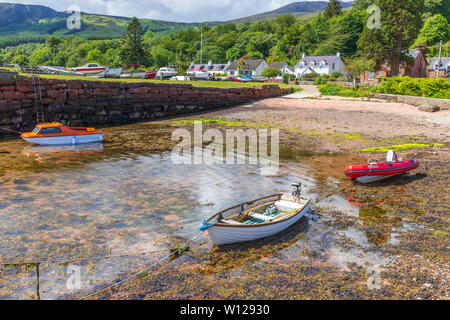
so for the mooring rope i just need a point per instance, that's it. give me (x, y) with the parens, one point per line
(14, 131)
(143, 270)
(97, 258)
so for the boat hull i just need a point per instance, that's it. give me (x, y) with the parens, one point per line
(221, 235)
(89, 71)
(369, 179)
(379, 171)
(66, 140)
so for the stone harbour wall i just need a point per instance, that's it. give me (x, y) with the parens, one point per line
(103, 103)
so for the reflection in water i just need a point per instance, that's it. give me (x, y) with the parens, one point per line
(42, 149)
(64, 151)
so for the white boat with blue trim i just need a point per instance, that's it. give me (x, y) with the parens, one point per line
(54, 133)
(257, 219)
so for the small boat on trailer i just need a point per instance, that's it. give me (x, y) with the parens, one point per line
(257, 219)
(54, 133)
(377, 171)
(89, 69)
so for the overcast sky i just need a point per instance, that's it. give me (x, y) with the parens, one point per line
(170, 10)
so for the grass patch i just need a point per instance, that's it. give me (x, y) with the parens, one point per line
(399, 147)
(247, 124)
(199, 84)
(337, 90)
(226, 123)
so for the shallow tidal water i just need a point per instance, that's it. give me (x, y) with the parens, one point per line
(97, 213)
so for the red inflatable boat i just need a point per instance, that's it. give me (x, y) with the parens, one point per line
(375, 171)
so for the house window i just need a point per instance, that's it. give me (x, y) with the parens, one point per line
(333, 66)
(380, 74)
(232, 73)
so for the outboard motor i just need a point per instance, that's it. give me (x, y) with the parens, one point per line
(391, 156)
(296, 190)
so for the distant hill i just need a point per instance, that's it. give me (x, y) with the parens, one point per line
(35, 21)
(297, 8)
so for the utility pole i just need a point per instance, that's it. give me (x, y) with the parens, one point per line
(439, 61)
(201, 46)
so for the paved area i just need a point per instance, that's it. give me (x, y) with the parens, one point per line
(309, 91)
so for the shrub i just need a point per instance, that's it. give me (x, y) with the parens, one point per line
(271, 72)
(336, 75)
(337, 90)
(419, 87)
(287, 76)
(323, 79)
(310, 76)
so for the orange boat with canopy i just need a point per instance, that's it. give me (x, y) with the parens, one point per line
(54, 133)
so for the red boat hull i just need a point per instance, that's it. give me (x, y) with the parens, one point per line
(381, 169)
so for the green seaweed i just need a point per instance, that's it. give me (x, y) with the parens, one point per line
(399, 147)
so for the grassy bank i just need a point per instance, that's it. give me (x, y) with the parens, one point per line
(338, 90)
(200, 84)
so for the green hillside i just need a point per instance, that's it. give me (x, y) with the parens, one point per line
(31, 23)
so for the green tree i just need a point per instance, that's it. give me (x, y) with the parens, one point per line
(435, 29)
(284, 22)
(357, 65)
(241, 65)
(400, 24)
(40, 57)
(360, 5)
(271, 72)
(433, 7)
(334, 8)
(94, 55)
(133, 51)
(52, 43)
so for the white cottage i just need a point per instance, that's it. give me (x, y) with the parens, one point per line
(320, 64)
(252, 68)
(282, 66)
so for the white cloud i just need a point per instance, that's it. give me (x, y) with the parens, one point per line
(170, 10)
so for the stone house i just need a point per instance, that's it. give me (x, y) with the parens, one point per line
(417, 70)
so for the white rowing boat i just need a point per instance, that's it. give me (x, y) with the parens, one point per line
(256, 219)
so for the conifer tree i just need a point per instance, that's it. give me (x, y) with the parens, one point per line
(133, 49)
(334, 8)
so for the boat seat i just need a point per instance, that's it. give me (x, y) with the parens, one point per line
(284, 205)
(260, 216)
(231, 222)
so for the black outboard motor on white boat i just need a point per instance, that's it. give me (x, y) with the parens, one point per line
(296, 190)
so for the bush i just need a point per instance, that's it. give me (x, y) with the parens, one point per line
(419, 87)
(323, 79)
(271, 72)
(336, 90)
(310, 76)
(287, 76)
(336, 75)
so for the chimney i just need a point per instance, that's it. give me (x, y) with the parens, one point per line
(303, 56)
(338, 54)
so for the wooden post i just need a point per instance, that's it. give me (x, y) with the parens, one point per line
(439, 61)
